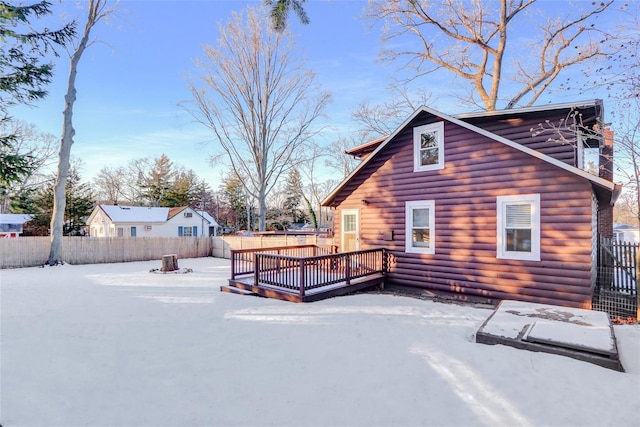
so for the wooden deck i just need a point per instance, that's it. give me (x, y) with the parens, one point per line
(304, 273)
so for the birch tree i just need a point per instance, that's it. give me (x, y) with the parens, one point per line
(475, 41)
(259, 101)
(97, 10)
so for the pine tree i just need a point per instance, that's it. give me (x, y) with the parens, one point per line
(24, 73)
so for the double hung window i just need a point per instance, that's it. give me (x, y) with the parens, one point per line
(420, 227)
(518, 232)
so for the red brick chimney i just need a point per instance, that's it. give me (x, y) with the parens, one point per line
(606, 156)
(605, 210)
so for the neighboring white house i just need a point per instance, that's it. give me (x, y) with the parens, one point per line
(213, 224)
(626, 233)
(11, 225)
(139, 221)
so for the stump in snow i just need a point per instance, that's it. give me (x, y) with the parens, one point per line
(169, 262)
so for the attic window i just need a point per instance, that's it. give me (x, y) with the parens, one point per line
(428, 147)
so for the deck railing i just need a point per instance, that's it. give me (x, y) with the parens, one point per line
(304, 273)
(243, 260)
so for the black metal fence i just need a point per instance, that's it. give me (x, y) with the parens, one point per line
(616, 289)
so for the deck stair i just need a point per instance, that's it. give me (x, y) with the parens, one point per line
(233, 289)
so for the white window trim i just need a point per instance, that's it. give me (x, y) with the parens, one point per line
(409, 207)
(417, 131)
(501, 203)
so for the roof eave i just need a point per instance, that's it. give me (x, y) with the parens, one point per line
(592, 178)
(533, 109)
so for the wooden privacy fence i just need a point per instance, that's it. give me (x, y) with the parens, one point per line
(243, 260)
(34, 251)
(258, 242)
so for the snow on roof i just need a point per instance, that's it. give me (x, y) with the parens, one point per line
(206, 216)
(135, 213)
(624, 227)
(15, 218)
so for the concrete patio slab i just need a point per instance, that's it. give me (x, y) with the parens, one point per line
(581, 334)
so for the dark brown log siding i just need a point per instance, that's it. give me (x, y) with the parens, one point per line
(477, 170)
(519, 129)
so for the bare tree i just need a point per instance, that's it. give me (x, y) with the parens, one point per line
(259, 102)
(376, 120)
(338, 159)
(97, 10)
(473, 41)
(627, 150)
(34, 145)
(110, 184)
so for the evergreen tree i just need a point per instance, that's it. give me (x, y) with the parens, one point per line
(24, 73)
(156, 183)
(185, 190)
(234, 200)
(79, 204)
(294, 195)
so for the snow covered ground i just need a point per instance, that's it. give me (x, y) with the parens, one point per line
(116, 345)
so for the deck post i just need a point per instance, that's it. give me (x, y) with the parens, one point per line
(347, 269)
(385, 261)
(302, 278)
(256, 268)
(233, 265)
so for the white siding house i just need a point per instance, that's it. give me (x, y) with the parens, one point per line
(138, 221)
(626, 233)
(11, 224)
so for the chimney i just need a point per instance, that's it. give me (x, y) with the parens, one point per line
(606, 156)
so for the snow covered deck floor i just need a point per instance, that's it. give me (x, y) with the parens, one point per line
(581, 334)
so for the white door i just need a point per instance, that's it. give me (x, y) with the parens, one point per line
(350, 230)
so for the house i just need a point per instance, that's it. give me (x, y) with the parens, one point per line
(139, 221)
(626, 233)
(11, 225)
(492, 205)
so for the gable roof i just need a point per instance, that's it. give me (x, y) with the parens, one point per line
(15, 218)
(576, 171)
(138, 214)
(366, 148)
(175, 211)
(207, 217)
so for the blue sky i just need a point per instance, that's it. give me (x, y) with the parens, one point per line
(130, 86)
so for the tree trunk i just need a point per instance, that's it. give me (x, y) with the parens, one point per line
(169, 262)
(59, 199)
(64, 155)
